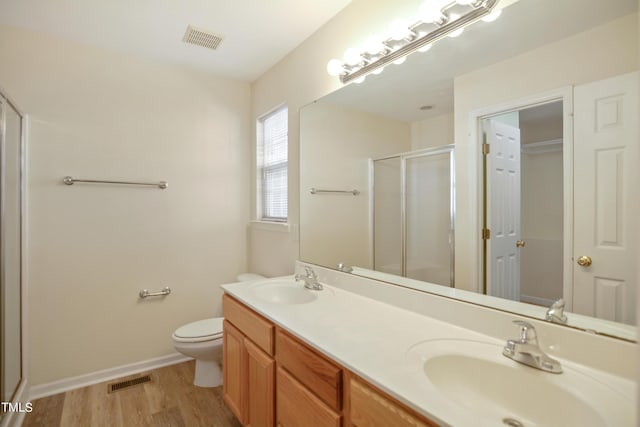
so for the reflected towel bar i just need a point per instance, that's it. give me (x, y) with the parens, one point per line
(317, 190)
(145, 293)
(70, 180)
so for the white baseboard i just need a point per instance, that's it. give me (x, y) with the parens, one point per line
(66, 384)
(536, 300)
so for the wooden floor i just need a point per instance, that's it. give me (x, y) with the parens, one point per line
(171, 400)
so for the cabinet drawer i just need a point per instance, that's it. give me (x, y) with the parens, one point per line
(255, 327)
(371, 409)
(310, 368)
(296, 406)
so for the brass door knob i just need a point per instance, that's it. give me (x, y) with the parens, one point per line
(584, 261)
(520, 243)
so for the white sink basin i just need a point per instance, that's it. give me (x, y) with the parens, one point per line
(477, 378)
(283, 292)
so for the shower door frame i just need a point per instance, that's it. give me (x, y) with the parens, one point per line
(426, 152)
(19, 390)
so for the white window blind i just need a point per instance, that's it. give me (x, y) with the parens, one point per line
(272, 165)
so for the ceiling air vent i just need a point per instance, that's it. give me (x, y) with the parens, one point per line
(201, 37)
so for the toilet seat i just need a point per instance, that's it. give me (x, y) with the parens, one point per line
(201, 330)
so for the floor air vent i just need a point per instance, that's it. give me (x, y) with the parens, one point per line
(121, 385)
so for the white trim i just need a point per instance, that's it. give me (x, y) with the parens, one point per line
(66, 384)
(24, 297)
(371, 217)
(564, 94)
(279, 227)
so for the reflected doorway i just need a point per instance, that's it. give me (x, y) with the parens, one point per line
(524, 204)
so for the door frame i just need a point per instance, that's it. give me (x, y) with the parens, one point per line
(476, 184)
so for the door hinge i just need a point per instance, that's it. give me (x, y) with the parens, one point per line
(486, 234)
(486, 149)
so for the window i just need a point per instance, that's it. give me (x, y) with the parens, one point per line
(271, 157)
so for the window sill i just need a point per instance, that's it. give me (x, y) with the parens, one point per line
(280, 227)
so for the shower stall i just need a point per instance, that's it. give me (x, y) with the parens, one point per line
(413, 215)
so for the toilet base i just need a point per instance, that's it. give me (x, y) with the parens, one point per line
(208, 374)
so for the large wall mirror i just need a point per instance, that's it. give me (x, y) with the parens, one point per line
(497, 168)
(11, 167)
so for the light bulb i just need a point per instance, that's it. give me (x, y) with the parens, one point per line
(399, 29)
(430, 12)
(378, 70)
(359, 79)
(400, 60)
(374, 45)
(334, 67)
(425, 47)
(457, 32)
(352, 56)
(493, 16)
(465, 2)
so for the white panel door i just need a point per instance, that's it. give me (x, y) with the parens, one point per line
(606, 198)
(503, 263)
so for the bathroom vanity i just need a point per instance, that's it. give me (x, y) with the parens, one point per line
(361, 352)
(273, 378)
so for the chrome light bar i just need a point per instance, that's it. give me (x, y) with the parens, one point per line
(446, 26)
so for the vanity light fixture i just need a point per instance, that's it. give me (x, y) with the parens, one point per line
(435, 22)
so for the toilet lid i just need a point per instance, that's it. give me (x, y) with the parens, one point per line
(201, 329)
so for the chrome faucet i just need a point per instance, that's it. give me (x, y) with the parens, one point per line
(555, 313)
(310, 279)
(345, 268)
(526, 350)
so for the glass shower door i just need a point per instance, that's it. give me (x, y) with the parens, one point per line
(387, 211)
(428, 225)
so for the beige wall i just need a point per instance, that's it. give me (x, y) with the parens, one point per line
(432, 132)
(297, 80)
(593, 55)
(335, 228)
(91, 248)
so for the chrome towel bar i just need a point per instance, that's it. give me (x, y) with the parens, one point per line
(317, 190)
(145, 293)
(70, 181)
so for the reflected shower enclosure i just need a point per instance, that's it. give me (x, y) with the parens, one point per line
(413, 215)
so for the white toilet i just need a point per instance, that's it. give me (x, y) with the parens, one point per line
(202, 340)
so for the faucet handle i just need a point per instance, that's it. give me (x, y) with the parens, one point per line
(526, 331)
(555, 313)
(310, 273)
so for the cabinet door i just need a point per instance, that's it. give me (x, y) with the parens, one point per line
(371, 409)
(235, 367)
(261, 387)
(297, 406)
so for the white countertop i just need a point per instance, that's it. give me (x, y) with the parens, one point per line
(371, 339)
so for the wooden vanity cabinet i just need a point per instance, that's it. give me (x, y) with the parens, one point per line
(248, 365)
(309, 386)
(272, 378)
(369, 407)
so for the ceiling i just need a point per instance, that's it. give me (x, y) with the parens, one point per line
(256, 33)
(427, 78)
